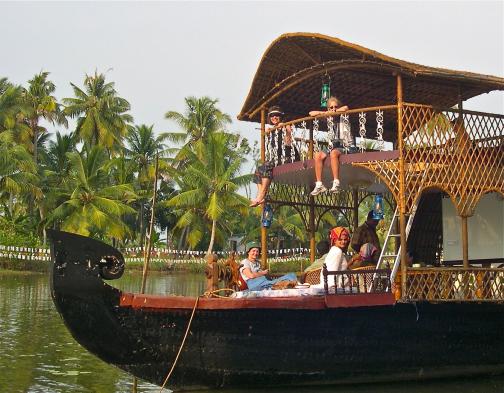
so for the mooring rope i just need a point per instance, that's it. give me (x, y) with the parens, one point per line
(206, 294)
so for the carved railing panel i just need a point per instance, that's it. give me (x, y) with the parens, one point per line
(453, 284)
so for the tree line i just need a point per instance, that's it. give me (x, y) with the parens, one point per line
(97, 179)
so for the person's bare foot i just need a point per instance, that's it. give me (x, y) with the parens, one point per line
(256, 202)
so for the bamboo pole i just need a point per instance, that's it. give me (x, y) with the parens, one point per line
(465, 243)
(312, 205)
(355, 197)
(465, 235)
(264, 231)
(151, 226)
(402, 199)
(312, 231)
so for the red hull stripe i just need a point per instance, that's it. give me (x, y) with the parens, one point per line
(295, 303)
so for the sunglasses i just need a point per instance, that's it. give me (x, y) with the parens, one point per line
(333, 107)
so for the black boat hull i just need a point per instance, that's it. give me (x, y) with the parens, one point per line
(270, 342)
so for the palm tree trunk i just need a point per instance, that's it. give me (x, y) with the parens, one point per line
(34, 127)
(142, 235)
(44, 233)
(182, 238)
(212, 238)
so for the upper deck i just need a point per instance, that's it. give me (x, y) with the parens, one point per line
(406, 133)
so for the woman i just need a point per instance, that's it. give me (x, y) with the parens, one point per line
(333, 105)
(368, 256)
(264, 172)
(339, 238)
(253, 275)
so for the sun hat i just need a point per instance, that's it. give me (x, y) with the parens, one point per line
(251, 245)
(275, 110)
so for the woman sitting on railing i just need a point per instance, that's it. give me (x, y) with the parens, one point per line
(333, 105)
(279, 146)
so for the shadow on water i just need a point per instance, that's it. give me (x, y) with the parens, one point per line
(38, 355)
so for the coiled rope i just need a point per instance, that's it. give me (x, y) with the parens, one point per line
(206, 294)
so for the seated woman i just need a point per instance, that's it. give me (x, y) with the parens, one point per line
(368, 256)
(339, 238)
(253, 275)
(333, 105)
(264, 173)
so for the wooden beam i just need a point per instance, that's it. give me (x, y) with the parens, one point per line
(402, 198)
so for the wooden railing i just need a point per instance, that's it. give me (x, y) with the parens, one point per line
(454, 284)
(351, 282)
(308, 135)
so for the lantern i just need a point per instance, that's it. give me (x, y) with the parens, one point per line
(267, 216)
(378, 207)
(326, 90)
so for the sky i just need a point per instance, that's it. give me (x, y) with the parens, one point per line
(157, 53)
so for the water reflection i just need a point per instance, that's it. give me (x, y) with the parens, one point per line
(38, 355)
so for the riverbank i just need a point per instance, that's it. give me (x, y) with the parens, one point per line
(159, 265)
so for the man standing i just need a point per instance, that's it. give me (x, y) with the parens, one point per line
(366, 233)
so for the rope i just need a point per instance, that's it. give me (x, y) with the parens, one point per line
(207, 294)
(214, 293)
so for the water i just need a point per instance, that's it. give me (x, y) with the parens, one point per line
(37, 354)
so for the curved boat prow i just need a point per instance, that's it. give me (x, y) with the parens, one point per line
(82, 298)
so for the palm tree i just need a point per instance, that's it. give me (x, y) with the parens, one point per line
(91, 206)
(17, 173)
(209, 186)
(12, 111)
(201, 118)
(141, 150)
(41, 104)
(102, 118)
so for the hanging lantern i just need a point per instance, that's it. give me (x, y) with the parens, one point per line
(378, 207)
(326, 90)
(267, 216)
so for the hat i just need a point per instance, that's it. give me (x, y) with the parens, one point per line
(251, 245)
(275, 110)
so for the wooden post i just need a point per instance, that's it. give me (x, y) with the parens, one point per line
(310, 144)
(465, 243)
(264, 231)
(402, 197)
(355, 196)
(465, 237)
(151, 226)
(212, 273)
(312, 230)
(312, 205)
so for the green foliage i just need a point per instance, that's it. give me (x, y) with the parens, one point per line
(90, 205)
(292, 265)
(15, 233)
(101, 115)
(209, 186)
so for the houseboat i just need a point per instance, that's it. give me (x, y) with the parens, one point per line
(438, 165)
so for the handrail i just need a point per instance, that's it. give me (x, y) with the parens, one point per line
(357, 281)
(331, 114)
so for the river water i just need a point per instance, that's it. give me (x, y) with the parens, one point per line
(37, 354)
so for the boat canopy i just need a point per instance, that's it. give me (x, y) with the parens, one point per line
(291, 71)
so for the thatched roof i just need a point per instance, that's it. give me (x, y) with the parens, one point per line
(291, 70)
